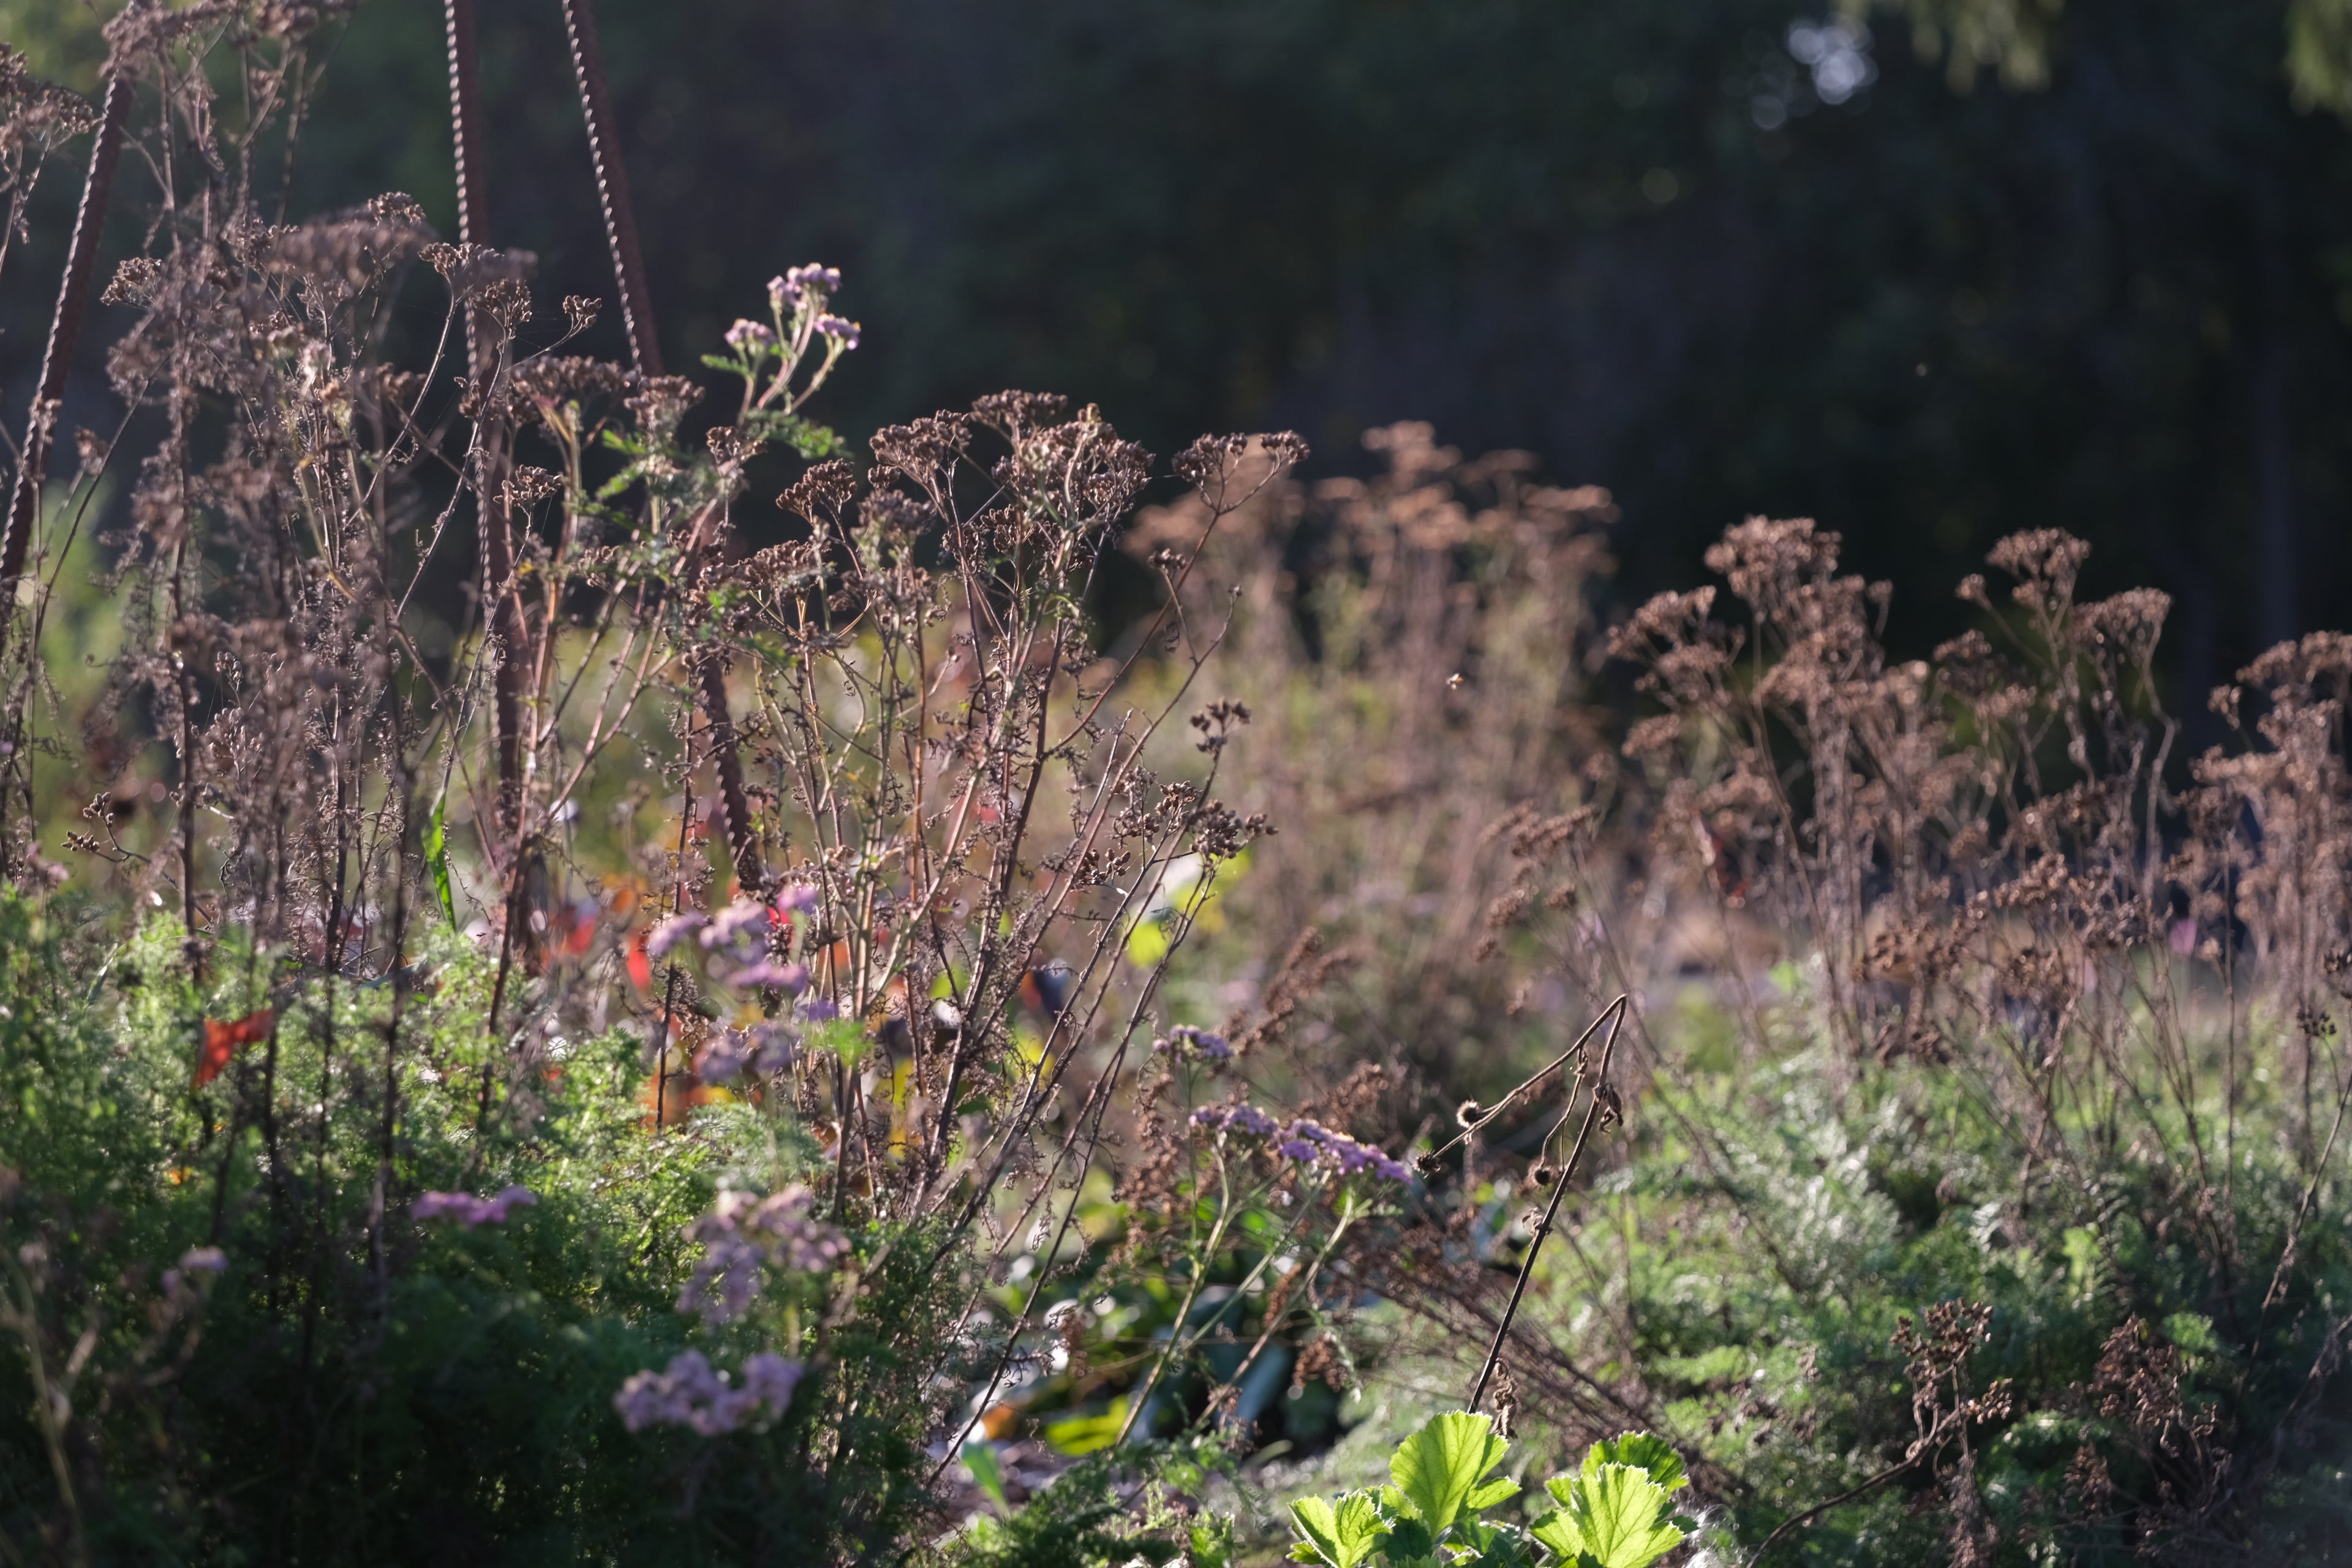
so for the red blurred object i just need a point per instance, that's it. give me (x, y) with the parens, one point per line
(223, 1041)
(641, 968)
(584, 928)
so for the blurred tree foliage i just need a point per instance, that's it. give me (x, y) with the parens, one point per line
(1724, 256)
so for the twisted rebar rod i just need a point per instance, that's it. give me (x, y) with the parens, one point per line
(499, 601)
(64, 327)
(708, 668)
(56, 359)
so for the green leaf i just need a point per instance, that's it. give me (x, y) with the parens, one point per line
(1486, 1495)
(436, 860)
(1408, 1539)
(1614, 1513)
(1342, 1536)
(845, 1037)
(1644, 1451)
(1495, 1546)
(1438, 1468)
(980, 1460)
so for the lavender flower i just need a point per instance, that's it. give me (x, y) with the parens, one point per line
(1306, 1140)
(797, 284)
(741, 1236)
(689, 1393)
(1247, 1120)
(736, 920)
(750, 334)
(768, 971)
(673, 930)
(1190, 1044)
(725, 1057)
(796, 1241)
(195, 1260)
(817, 1010)
(726, 1279)
(470, 1211)
(771, 1379)
(794, 898)
(843, 331)
(775, 1052)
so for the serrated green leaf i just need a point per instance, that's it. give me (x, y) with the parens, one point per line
(1644, 1451)
(1614, 1513)
(436, 860)
(1440, 1465)
(1407, 1539)
(1341, 1536)
(1494, 1545)
(1487, 1494)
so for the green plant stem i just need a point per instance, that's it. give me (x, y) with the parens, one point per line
(1184, 1311)
(1274, 1319)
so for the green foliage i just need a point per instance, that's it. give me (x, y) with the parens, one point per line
(1615, 1513)
(1441, 1470)
(443, 1385)
(1618, 1512)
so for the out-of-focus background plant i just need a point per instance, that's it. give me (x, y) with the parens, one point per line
(1034, 1003)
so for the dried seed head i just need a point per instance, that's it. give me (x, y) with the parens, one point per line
(1467, 1114)
(1543, 1173)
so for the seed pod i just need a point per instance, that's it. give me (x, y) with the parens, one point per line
(1467, 1114)
(1543, 1173)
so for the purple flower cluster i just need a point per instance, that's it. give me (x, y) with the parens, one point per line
(673, 930)
(1311, 1141)
(741, 920)
(1246, 1120)
(470, 1211)
(197, 1260)
(743, 1234)
(764, 1049)
(750, 334)
(836, 326)
(692, 1395)
(794, 285)
(1306, 1141)
(1193, 1045)
(796, 898)
(794, 977)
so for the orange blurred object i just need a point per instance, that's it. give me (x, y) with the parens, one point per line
(641, 968)
(223, 1041)
(998, 1422)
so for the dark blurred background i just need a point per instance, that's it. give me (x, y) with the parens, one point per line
(1722, 256)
